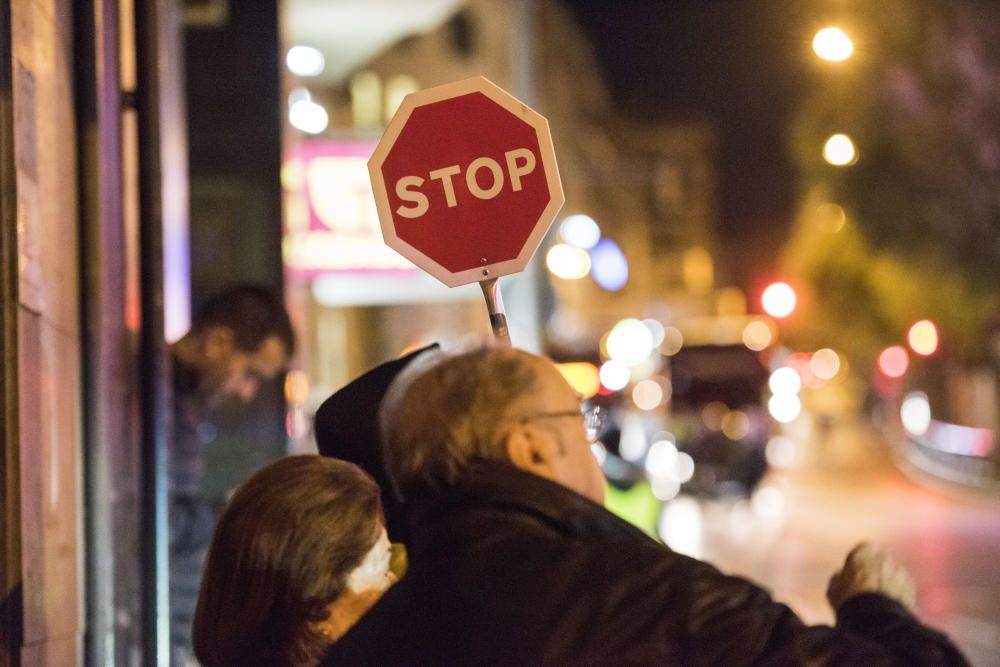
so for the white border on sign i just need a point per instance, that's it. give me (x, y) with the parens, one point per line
(547, 152)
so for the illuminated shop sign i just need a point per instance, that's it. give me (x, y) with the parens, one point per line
(331, 225)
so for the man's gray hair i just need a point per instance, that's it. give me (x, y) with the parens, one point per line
(444, 412)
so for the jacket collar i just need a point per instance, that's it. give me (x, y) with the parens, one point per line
(500, 486)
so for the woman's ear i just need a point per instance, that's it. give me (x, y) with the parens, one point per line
(531, 450)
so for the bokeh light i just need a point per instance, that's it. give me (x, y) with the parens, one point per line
(608, 265)
(698, 269)
(831, 217)
(305, 61)
(630, 341)
(923, 338)
(757, 335)
(785, 381)
(825, 363)
(736, 425)
(680, 526)
(647, 395)
(615, 375)
(839, 151)
(800, 363)
(673, 341)
(713, 414)
(580, 231)
(684, 468)
(894, 361)
(582, 376)
(832, 44)
(656, 329)
(306, 115)
(567, 262)
(665, 488)
(661, 458)
(296, 387)
(632, 444)
(778, 300)
(915, 413)
(780, 451)
(768, 502)
(785, 408)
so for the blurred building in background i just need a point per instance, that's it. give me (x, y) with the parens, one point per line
(647, 189)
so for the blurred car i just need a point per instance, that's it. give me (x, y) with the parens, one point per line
(719, 418)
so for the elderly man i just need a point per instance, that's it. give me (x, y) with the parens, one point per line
(513, 560)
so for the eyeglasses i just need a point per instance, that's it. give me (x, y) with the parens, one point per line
(593, 419)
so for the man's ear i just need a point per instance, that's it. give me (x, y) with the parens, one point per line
(531, 450)
(216, 342)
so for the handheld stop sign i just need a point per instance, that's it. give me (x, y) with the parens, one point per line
(466, 185)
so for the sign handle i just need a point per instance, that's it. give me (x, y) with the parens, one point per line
(494, 304)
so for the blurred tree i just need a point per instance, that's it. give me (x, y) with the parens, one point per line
(929, 180)
(861, 299)
(922, 232)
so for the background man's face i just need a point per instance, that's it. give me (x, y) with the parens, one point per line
(230, 371)
(575, 467)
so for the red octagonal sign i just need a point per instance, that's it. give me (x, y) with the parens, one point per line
(465, 181)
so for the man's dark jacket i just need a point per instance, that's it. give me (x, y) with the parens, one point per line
(507, 568)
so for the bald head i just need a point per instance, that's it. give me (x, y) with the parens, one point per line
(490, 404)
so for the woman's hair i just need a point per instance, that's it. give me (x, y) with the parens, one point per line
(281, 554)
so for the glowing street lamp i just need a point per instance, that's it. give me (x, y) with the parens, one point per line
(305, 61)
(308, 116)
(580, 231)
(833, 44)
(778, 300)
(923, 338)
(839, 151)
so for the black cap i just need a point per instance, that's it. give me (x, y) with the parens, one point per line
(347, 427)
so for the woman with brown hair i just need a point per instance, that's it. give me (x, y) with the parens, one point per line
(299, 554)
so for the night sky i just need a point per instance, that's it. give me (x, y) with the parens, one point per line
(739, 64)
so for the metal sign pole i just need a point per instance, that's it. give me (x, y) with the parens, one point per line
(494, 304)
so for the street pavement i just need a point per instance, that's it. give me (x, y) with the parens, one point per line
(796, 529)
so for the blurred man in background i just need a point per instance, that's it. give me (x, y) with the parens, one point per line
(241, 339)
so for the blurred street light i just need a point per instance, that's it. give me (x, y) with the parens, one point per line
(831, 217)
(615, 375)
(778, 300)
(832, 44)
(784, 407)
(580, 231)
(923, 338)
(894, 361)
(784, 381)
(308, 116)
(757, 335)
(630, 341)
(608, 265)
(647, 395)
(673, 341)
(656, 329)
(305, 61)
(567, 262)
(915, 413)
(825, 364)
(839, 151)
